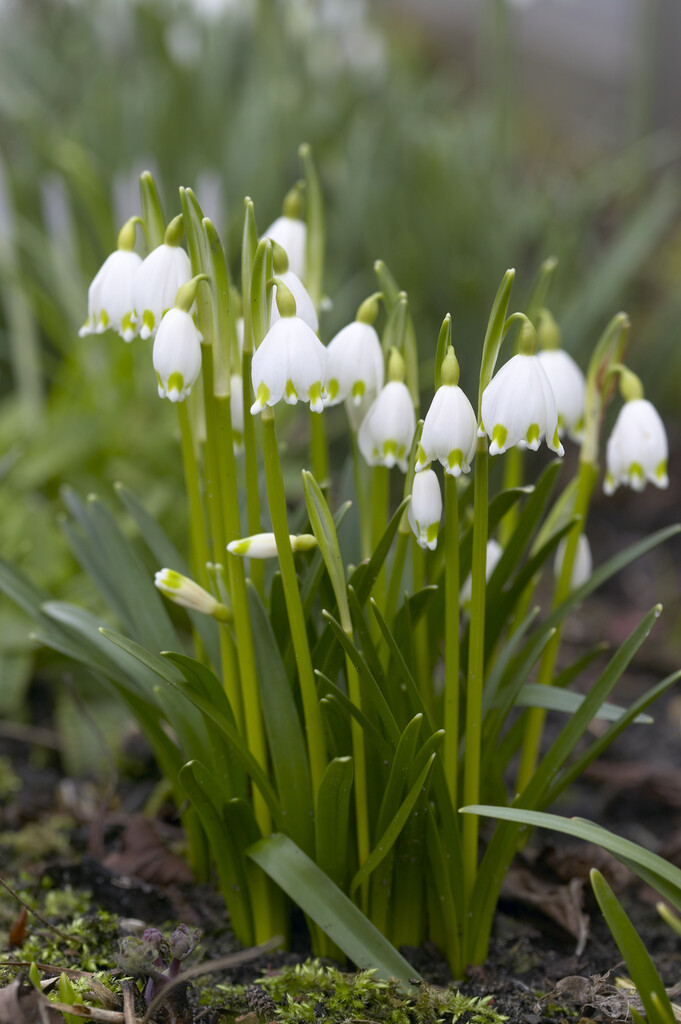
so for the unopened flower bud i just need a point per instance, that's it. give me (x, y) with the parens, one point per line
(188, 594)
(425, 508)
(264, 545)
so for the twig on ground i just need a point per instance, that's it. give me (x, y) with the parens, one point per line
(70, 939)
(128, 1002)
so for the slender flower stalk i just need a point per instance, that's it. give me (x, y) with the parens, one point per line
(450, 750)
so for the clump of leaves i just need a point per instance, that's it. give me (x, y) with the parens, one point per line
(311, 992)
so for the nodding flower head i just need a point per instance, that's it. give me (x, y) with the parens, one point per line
(637, 449)
(355, 368)
(177, 355)
(449, 432)
(425, 508)
(569, 389)
(518, 407)
(109, 297)
(386, 432)
(289, 363)
(156, 284)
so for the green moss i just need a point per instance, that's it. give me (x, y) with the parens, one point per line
(39, 840)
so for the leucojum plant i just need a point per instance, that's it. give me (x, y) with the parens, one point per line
(334, 719)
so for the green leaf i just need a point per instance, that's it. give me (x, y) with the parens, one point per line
(336, 915)
(329, 689)
(284, 731)
(321, 521)
(152, 210)
(636, 957)
(204, 791)
(399, 771)
(332, 820)
(443, 342)
(314, 255)
(494, 333)
(534, 695)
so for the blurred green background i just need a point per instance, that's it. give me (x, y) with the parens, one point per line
(453, 139)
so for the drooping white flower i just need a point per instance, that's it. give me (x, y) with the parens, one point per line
(156, 284)
(569, 389)
(493, 554)
(425, 508)
(177, 355)
(450, 432)
(236, 408)
(582, 565)
(291, 234)
(304, 304)
(109, 297)
(518, 407)
(189, 594)
(637, 449)
(264, 545)
(289, 363)
(386, 432)
(355, 366)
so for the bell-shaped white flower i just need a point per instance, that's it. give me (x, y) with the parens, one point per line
(425, 508)
(177, 346)
(158, 280)
(290, 362)
(236, 408)
(637, 449)
(291, 234)
(582, 565)
(264, 545)
(386, 432)
(188, 594)
(518, 407)
(355, 367)
(492, 555)
(569, 389)
(450, 428)
(304, 304)
(109, 297)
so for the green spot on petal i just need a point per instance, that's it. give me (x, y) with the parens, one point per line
(315, 392)
(431, 532)
(126, 323)
(661, 471)
(332, 388)
(148, 319)
(175, 382)
(455, 458)
(421, 457)
(533, 434)
(499, 434)
(390, 448)
(262, 394)
(358, 389)
(104, 318)
(291, 391)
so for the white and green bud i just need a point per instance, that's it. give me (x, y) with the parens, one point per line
(386, 432)
(109, 297)
(450, 427)
(158, 280)
(188, 594)
(264, 545)
(582, 565)
(637, 450)
(289, 363)
(519, 407)
(425, 509)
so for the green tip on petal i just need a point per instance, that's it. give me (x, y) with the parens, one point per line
(390, 448)
(499, 435)
(421, 457)
(431, 534)
(455, 461)
(358, 389)
(314, 395)
(291, 392)
(148, 320)
(449, 372)
(175, 383)
(171, 579)
(332, 387)
(240, 547)
(175, 231)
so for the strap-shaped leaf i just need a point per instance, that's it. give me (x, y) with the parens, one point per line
(324, 530)
(376, 738)
(494, 333)
(336, 915)
(636, 956)
(534, 695)
(332, 819)
(399, 772)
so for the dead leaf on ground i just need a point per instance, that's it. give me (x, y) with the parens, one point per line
(658, 782)
(17, 933)
(562, 903)
(21, 1003)
(576, 861)
(609, 1002)
(146, 856)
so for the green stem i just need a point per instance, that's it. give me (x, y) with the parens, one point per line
(476, 667)
(359, 474)
(213, 495)
(360, 778)
(276, 496)
(450, 750)
(380, 504)
(319, 450)
(197, 526)
(421, 641)
(396, 573)
(252, 480)
(513, 477)
(534, 725)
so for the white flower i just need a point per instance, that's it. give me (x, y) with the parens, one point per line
(637, 448)
(188, 594)
(109, 297)
(289, 363)
(582, 565)
(177, 355)
(355, 367)
(569, 389)
(518, 407)
(387, 430)
(264, 545)
(304, 304)
(291, 235)
(449, 432)
(492, 555)
(236, 408)
(156, 284)
(425, 508)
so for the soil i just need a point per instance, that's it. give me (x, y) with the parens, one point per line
(540, 968)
